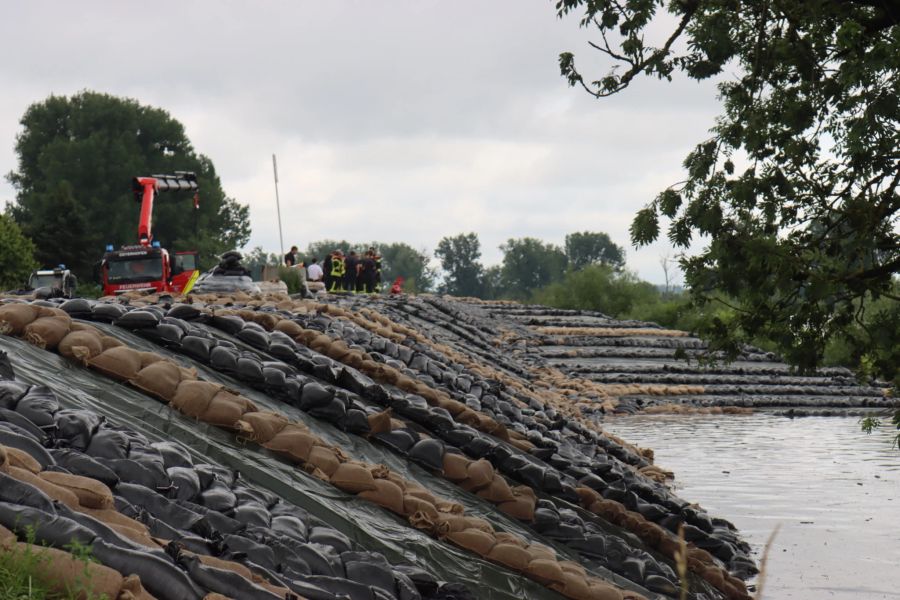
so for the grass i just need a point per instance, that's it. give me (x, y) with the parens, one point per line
(23, 573)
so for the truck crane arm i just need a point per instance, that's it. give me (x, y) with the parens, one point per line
(145, 189)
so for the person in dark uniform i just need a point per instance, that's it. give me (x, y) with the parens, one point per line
(351, 271)
(366, 282)
(337, 270)
(290, 259)
(376, 284)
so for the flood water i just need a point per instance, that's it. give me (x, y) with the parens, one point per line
(833, 490)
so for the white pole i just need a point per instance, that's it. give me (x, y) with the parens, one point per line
(278, 206)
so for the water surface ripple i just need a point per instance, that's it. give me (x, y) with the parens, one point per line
(834, 491)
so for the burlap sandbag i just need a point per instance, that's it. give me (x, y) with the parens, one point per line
(522, 508)
(600, 590)
(4, 459)
(353, 478)
(109, 341)
(324, 459)
(133, 589)
(546, 571)
(449, 507)
(288, 327)
(63, 572)
(293, 441)
(226, 408)
(90, 492)
(510, 555)
(414, 489)
(498, 491)
(111, 517)
(81, 346)
(47, 332)
(139, 537)
(119, 362)
(148, 358)
(228, 565)
(56, 492)
(575, 586)
(159, 379)
(7, 538)
(15, 317)
(540, 551)
(569, 566)
(480, 473)
(265, 425)
(51, 311)
(508, 538)
(380, 422)
(456, 466)
(23, 460)
(474, 540)
(386, 494)
(266, 320)
(413, 505)
(193, 397)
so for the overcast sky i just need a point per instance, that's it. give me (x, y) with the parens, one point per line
(396, 121)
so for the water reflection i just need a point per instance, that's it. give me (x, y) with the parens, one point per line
(834, 490)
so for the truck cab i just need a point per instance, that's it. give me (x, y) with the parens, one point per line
(53, 283)
(146, 269)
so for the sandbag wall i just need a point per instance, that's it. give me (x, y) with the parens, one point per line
(212, 403)
(565, 525)
(602, 470)
(163, 511)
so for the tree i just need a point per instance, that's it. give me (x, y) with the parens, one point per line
(796, 189)
(76, 158)
(528, 264)
(16, 255)
(400, 259)
(600, 288)
(588, 248)
(322, 248)
(459, 259)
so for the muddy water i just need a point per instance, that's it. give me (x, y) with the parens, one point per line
(833, 490)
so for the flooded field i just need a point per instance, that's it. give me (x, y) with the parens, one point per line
(834, 492)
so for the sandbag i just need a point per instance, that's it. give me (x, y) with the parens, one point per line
(15, 317)
(353, 478)
(159, 379)
(47, 332)
(90, 492)
(386, 494)
(119, 362)
(324, 459)
(510, 555)
(226, 409)
(265, 425)
(22, 460)
(293, 441)
(52, 490)
(498, 491)
(15, 490)
(38, 405)
(4, 460)
(63, 572)
(81, 346)
(193, 397)
(162, 579)
(289, 327)
(546, 571)
(27, 445)
(474, 540)
(480, 473)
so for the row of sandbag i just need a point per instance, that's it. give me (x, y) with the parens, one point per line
(204, 508)
(644, 352)
(538, 476)
(721, 540)
(213, 404)
(519, 501)
(620, 342)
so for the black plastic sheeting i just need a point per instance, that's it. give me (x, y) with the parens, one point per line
(364, 523)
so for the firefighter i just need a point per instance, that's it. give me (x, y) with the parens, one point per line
(376, 285)
(366, 283)
(351, 272)
(337, 272)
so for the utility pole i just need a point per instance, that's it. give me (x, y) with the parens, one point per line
(278, 206)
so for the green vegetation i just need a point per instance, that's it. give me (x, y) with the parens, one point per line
(76, 158)
(796, 189)
(16, 255)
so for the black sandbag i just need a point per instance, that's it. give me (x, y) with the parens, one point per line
(357, 422)
(77, 308)
(291, 526)
(164, 334)
(132, 471)
(370, 569)
(333, 412)
(330, 537)
(104, 531)
(186, 312)
(211, 520)
(138, 319)
(78, 463)
(282, 351)
(223, 359)
(252, 514)
(429, 453)
(108, 443)
(218, 497)
(160, 577)
(223, 581)
(209, 473)
(265, 498)
(162, 508)
(173, 454)
(285, 547)
(439, 420)
(249, 369)
(77, 427)
(230, 324)
(47, 528)
(23, 423)
(185, 482)
(258, 553)
(400, 440)
(356, 591)
(25, 443)
(197, 347)
(13, 491)
(38, 405)
(254, 337)
(354, 381)
(315, 395)
(321, 561)
(107, 313)
(423, 581)
(10, 392)
(312, 592)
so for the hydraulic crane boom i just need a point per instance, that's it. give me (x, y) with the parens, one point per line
(146, 188)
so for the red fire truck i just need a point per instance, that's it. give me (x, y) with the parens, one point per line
(146, 266)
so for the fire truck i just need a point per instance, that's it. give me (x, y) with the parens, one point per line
(146, 266)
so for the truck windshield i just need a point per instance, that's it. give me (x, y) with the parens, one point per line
(51, 281)
(135, 270)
